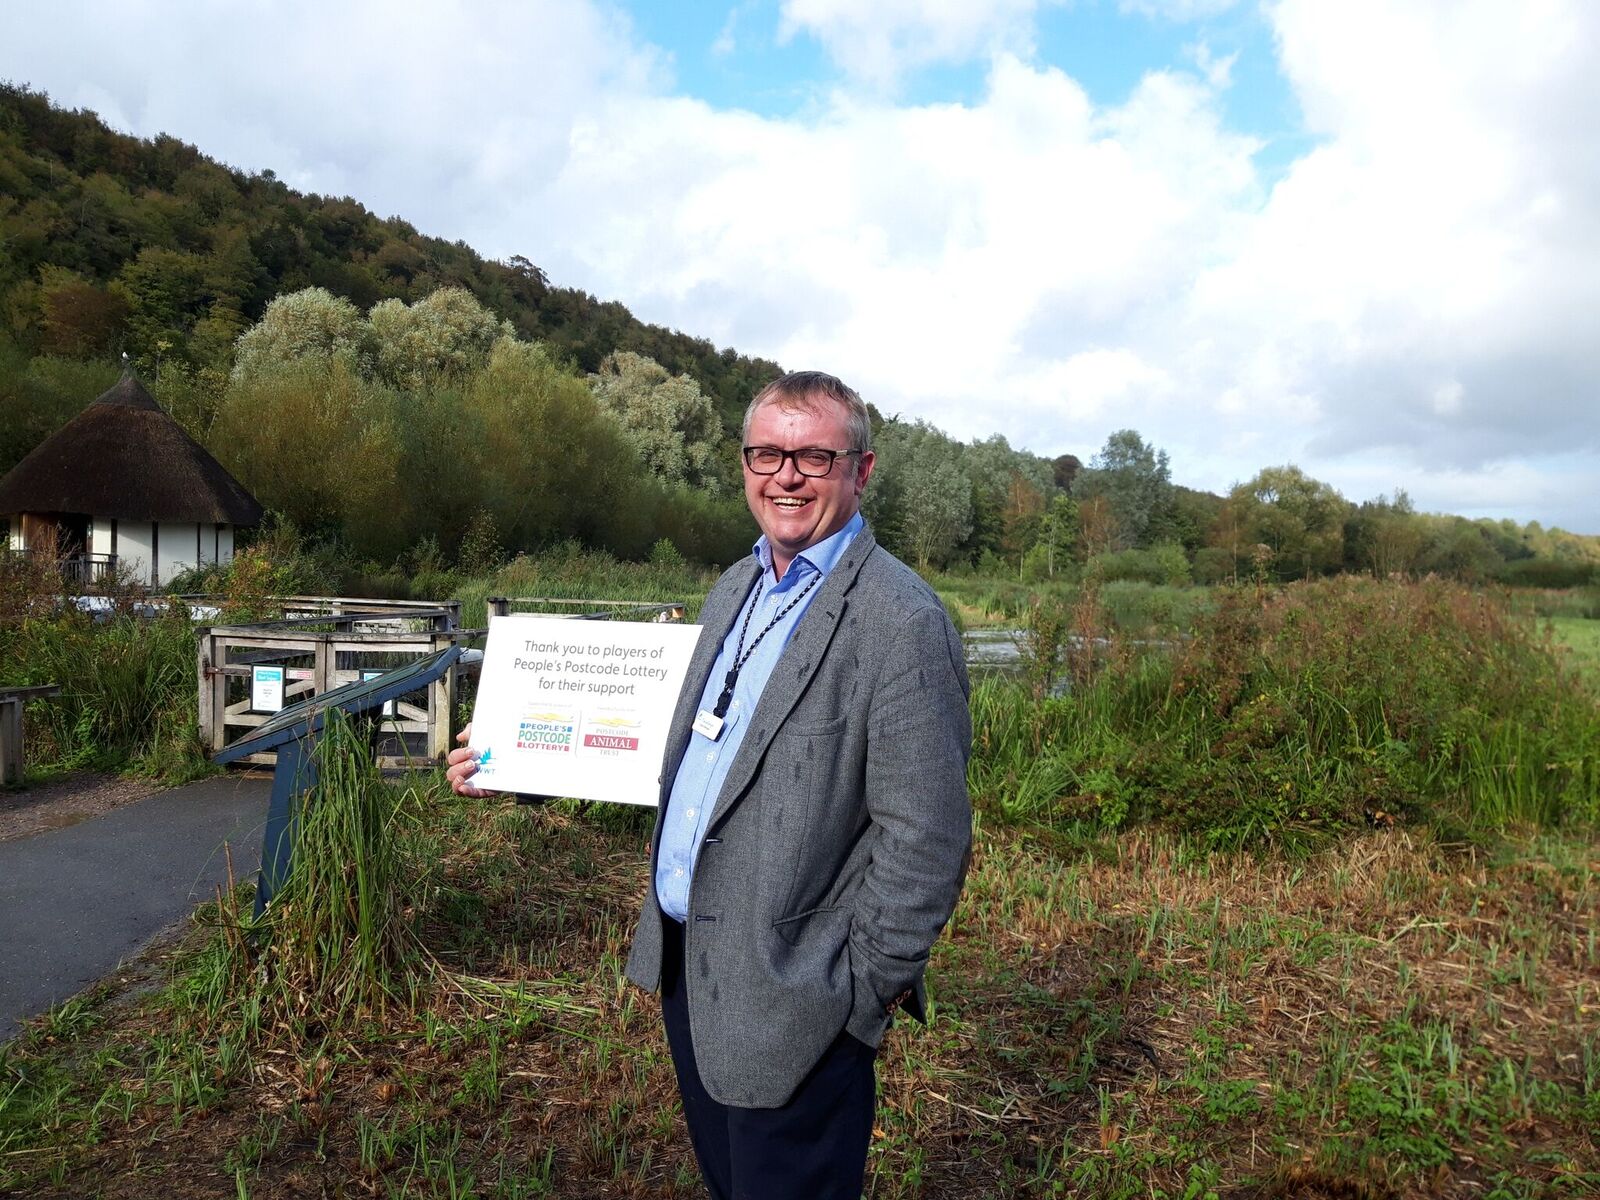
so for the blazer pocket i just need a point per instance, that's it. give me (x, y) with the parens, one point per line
(792, 929)
(814, 729)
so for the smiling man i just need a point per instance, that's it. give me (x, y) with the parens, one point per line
(814, 824)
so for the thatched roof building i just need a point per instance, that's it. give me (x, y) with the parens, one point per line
(123, 481)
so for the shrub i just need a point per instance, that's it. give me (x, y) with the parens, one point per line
(1163, 564)
(1548, 573)
(124, 683)
(1290, 715)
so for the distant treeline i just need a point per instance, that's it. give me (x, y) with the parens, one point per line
(407, 401)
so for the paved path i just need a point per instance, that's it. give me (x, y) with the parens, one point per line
(75, 902)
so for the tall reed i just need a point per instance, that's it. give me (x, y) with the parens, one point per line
(1289, 715)
(337, 931)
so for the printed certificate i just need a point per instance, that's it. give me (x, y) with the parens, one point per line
(578, 708)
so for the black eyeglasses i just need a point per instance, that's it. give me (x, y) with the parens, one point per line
(811, 461)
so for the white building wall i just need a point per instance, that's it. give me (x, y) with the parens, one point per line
(177, 548)
(133, 548)
(224, 543)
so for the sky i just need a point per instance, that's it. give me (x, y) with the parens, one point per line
(1357, 237)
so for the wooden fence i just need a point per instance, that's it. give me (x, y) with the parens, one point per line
(324, 642)
(321, 650)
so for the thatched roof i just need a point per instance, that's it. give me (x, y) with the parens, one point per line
(124, 457)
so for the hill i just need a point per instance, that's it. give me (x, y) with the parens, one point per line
(114, 242)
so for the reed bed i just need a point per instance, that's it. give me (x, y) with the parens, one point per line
(1292, 716)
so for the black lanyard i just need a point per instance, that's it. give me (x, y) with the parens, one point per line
(740, 654)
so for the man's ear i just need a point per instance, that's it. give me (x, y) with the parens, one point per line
(864, 471)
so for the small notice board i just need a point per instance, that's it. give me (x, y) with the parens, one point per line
(266, 689)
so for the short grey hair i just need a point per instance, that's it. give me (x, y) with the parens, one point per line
(802, 389)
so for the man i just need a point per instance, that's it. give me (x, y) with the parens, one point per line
(813, 825)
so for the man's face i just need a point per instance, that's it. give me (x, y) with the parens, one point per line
(796, 511)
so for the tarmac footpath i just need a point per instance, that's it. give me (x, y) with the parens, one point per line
(75, 902)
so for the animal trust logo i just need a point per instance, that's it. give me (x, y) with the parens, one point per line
(610, 734)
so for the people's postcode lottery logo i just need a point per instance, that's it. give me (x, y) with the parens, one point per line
(546, 731)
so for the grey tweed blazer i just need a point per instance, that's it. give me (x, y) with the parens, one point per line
(838, 844)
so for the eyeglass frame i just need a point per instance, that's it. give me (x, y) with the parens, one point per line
(794, 457)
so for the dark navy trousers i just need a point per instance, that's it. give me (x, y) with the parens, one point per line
(812, 1148)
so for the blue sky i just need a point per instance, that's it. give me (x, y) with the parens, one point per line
(1362, 237)
(737, 57)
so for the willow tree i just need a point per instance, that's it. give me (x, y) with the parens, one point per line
(666, 418)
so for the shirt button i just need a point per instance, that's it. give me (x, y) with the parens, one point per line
(736, 704)
(711, 756)
(690, 813)
(677, 872)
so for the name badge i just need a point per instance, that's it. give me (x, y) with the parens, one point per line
(708, 725)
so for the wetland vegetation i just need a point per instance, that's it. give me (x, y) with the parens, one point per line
(1298, 898)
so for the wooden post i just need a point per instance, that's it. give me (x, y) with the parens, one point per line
(323, 667)
(441, 705)
(202, 708)
(212, 688)
(11, 740)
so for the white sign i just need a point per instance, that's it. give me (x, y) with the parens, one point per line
(266, 689)
(388, 705)
(578, 708)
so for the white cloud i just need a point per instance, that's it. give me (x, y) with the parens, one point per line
(879, 43)
(1410, 305)
(1218, 72)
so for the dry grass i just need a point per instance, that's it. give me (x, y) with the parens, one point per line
(1390, 1018)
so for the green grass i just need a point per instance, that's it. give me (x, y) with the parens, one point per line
(1580, 637)
(127, 692)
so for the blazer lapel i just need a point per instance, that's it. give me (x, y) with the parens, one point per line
(796, 665)
(722, 608)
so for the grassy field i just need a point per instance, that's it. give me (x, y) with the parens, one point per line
(1391, 1017)
(1581, 639)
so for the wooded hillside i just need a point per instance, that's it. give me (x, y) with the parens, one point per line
(330, 358)
(113, 242)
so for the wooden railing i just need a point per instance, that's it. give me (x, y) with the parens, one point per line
(75, 570)
(321, 651)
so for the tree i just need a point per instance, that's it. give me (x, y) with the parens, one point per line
(1065, 470)
(1301, 519)
(938, 509)
(1058, 531)
(1383, 536)
(80, 319)
(446, 331)
(1020, 519)
(671, 423)
(165, 293)
(1134, 480)
(309, 326)
(1097, 525)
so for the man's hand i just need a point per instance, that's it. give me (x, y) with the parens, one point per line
(463, 765)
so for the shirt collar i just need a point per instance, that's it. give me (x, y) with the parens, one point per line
(820, 558)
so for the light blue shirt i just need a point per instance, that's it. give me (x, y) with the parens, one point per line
(706, 763)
